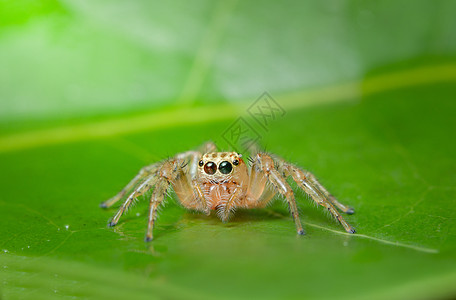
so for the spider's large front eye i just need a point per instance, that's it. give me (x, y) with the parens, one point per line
(225, 167)
(210, 168)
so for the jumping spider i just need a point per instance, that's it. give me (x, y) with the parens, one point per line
(206, 180)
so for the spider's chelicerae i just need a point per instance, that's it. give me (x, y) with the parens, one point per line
(206, 180)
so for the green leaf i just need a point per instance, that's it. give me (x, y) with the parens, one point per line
(368, 94)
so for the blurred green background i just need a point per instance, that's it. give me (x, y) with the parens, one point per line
(91, 91)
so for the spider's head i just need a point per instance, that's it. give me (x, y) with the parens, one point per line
(221, 165)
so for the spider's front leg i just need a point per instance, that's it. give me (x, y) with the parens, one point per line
(179, 171)
(312, 179)
(266, 166)
(308, 182)
(142, 188)
(172, 173)
(143, 173)
(167, 174)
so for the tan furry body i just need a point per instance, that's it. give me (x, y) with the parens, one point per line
(206, 180)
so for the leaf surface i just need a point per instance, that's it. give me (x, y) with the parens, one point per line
(130, 84)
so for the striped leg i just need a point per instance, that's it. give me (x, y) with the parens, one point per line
(344, 208)
(143, 187)
(143, 173)
(155, 200)
(307, 184)
(281, 185)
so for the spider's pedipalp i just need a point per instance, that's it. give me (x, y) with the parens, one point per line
(229, 206)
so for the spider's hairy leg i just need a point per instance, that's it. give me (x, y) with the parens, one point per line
(344, 208)
(167, 174)
(140, 190)
(143, 173)
(299, 176)
(155, 200)
(191, 157)
(259, 194)
(281, 185)
(253, 147)
(208, 147)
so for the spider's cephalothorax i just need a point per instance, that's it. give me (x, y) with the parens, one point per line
(220, 176)
(206, 180)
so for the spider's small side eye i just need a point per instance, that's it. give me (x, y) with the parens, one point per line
(210, 168)
(235, 162)
(225, 167)
(201, 163)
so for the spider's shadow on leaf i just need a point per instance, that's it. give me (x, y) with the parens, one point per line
(240, 216)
